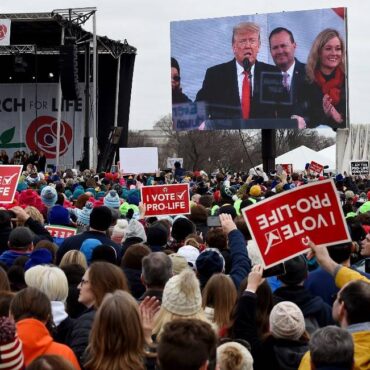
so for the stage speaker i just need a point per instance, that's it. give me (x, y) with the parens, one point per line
(68, 64)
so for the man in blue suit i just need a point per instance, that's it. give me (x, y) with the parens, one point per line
(222, 87)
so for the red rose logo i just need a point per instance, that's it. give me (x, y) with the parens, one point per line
(3, 31)
(42, 135)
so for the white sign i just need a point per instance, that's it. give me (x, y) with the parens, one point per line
(138, 160)
(171, 162)
(29, 123)
(5, 32)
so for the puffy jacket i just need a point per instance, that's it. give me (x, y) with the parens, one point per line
(79, 336)
(37, 342)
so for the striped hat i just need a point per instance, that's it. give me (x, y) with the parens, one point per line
(11, 355)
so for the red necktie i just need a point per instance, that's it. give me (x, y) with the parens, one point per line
(246, 96)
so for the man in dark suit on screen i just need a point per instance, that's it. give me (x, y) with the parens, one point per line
(232, 90)
(282, 49)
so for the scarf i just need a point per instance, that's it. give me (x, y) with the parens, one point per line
(332, 87)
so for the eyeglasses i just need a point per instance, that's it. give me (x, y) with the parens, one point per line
(176, 78)
(83, 282)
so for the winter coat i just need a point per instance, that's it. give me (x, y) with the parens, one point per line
(312, 307)
(37, 342)
(79, 336)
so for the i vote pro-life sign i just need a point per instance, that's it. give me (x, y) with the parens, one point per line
(283, 225)
(163, 200)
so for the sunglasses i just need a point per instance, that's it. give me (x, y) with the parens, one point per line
(176, 78)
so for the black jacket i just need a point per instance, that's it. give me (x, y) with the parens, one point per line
(271, 353)
(75, 242)
(220, 92)
(79, 335)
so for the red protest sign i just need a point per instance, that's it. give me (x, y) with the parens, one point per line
(166, 199)
(62, 232)
(9, 177)
(283, 225)
(316, 167)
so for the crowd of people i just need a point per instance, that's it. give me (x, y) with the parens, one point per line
(126, 291)
(35, 159)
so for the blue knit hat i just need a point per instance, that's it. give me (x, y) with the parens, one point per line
(111, 200)
(83, 215)
(92, 191)
(40, 256)
(79, 190)
(68, 193)
(22, 186)
(58, 215)
(88, 246)
(49, 196)
(133, 197)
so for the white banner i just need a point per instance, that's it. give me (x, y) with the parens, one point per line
(5, 32)
(28, 116)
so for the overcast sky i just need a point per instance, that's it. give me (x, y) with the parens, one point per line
(146, 25)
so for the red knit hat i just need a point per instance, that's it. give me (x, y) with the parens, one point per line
(27, 197)
(11, 355)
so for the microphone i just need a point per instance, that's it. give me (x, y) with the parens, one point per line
(247, 65)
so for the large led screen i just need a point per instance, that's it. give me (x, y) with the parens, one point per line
(277, 70)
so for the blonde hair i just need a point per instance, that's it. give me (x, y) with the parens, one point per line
(164, 316)
(247, 26)
(220, 293)
(51, 280)
(313, 59)
(35, 214)
(117, 337)
(74, 257)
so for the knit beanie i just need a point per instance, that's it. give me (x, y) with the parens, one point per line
(88, 246)
(40, 256)
(255, 191)
(136, 230)
(22, 186)
(79, 190)
(58, 215)
(49, 196)
(11, 354)
(181, 228)
(296, 271)
(83, 215)
(111, 200)
(233, 355)
(133, 197)
(27, 197)
(210, 262)
(190, 253)
(157, 235)
(181, 294)
(101, 218)
(287, 321)
(179, 263)
(119, 231)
